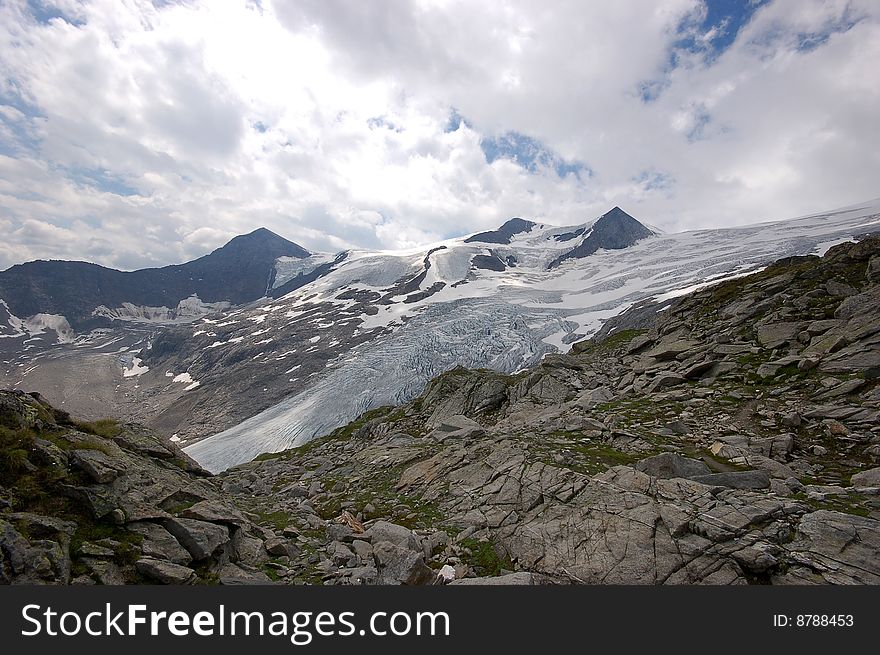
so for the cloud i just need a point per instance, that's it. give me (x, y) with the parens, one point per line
(142, 133)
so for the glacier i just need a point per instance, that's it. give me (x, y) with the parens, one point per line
(437, 311)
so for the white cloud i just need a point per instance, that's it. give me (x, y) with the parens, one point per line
(136, 134)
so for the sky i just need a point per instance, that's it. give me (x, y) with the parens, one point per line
(137, 133)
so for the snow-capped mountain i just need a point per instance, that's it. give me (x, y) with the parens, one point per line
(336, 334)
(378, 326)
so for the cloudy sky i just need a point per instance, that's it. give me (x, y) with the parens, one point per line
(137, 133)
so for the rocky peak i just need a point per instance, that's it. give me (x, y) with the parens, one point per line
(504, 233)
(613, 230)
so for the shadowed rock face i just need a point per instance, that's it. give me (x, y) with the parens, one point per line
(613, 231)
(239, 272)
(504, 233)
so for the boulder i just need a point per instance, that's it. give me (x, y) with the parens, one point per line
(200, 538)
(869, 478)
(511, 579)
(736, 479)
(393, 533)
(672, 465)
(158, 543)
(165, 572)
(401, 566)
(100, 467)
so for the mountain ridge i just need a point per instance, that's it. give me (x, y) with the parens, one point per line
(240, 271)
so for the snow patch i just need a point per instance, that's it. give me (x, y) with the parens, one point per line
(136, 368)
(187, 311)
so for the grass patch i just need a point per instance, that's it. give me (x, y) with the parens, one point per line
(105, 427)
(484, 558)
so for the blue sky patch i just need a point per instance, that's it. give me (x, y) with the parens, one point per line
(708, 33)
(102, 180)
(531, 154)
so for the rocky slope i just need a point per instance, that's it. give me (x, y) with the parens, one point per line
(736, 441)
(733, 440)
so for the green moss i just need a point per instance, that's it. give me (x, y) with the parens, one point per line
(485, 557)
(105, 427)
(610, 343)
(278, 519)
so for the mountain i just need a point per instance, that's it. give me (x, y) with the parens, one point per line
(362, 336)
(87, 295)
(614, 230)
(732, 440)
(375, 327)
(504, 233)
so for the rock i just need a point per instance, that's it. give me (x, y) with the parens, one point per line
(671, 348)
(758, 558)
(281, 547)
(456, 426)
(89, 549)
(214, 511)
(363, 575)
(105, 572)
(510, 579)
(200, 538)
(665, 380)
(869, 478)
(592, 397)
(774, 335)
(98, 466)
(735, 479)
(697, 370)
(792, 420)
(165, 572)
(235, 575)
(446, 574)
(834, 548)
(400, 566)
(839, 289)
(768, 370)
(672, 465)
(158, 543)
(339, 552)
(393, 533)
(362, 549)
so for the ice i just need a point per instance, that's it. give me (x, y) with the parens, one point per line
(503, 321)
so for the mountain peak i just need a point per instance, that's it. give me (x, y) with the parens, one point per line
(267, 241)
(504, 233)
(613, 230)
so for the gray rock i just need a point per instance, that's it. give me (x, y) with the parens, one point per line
(400, 566)
(214, 511)
(236, 575)
(281, 547)
(200, 538)
(735, 479)
(670, 348)
(362, 549)
(511, 579)
(840, 289)
(98, 466)
(165, 572)
(672, 465)
(666, 380)
(391, 532)
(869, 478)
(773, 335)
(158, 543)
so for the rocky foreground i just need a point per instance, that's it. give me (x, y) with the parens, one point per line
(735, 440)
